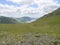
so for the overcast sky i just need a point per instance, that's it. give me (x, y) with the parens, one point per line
(32, 8)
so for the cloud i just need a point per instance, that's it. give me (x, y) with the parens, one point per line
(16, 1)
(22, 1)
(32, 8)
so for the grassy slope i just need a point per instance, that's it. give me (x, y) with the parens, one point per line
(47, 24)
(7, 20)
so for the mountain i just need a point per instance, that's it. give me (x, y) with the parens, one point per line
(53, 15)
(7, 20)
(25, 19)
(50, 23)
(48, 26)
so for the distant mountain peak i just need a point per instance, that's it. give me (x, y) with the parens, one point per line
(25, 19)
(7, 20)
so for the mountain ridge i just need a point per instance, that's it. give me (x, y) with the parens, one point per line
(7, 20)
(25, 19)
(46, 24)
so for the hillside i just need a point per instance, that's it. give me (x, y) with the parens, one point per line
(24, 19)
(48, 17)
(49, 23)
(11, 20)
(7, 20)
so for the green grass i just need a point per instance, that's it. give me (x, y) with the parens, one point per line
(47, 24)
